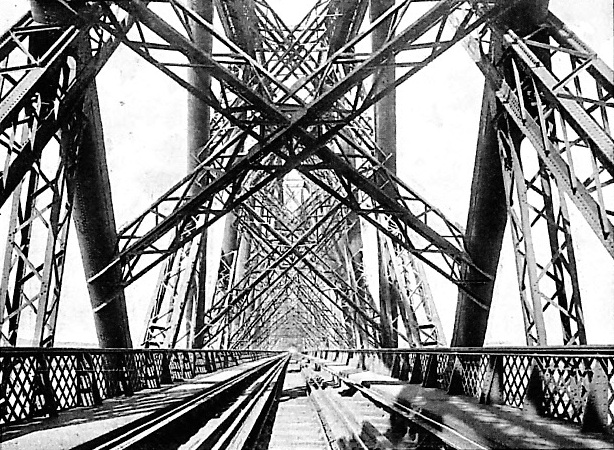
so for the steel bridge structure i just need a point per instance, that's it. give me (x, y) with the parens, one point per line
(292, 151)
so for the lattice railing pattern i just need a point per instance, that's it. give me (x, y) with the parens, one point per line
(566, 382)
(515, 379)
(474, 369)
(424, 363)
(445, 367)
(560, 382)
(42, 382)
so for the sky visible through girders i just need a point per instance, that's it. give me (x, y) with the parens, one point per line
(438, 112)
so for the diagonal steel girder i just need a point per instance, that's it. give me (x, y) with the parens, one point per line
(312, 266)
(265, 240)
(20, 84)
(244, 292)
(325, 315)
(294, 267)
(314, 145)
(586, 195)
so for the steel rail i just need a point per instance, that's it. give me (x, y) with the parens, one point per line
(321, 401)
(448, 435)
(238, 425)
(347, 414)
(153, 428)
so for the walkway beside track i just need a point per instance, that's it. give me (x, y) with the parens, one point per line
(491, 426)
(80, 426)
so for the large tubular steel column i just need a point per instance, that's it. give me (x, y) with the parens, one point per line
(95, 224)
(230, 247)
(485, 228)
(487, 215)
(96, 231)
(199, 118)
(386, 139)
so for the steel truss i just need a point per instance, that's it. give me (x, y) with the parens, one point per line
(45, 74)
(298, 99)
(557, 94)
(224, 271)
(228, 189)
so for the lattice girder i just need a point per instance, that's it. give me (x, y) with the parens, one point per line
(294, 160)
(266, 127)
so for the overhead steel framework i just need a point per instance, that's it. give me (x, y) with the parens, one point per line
(292, 145)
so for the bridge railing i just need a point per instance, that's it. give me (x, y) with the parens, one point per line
(572, 384)
(38, 382)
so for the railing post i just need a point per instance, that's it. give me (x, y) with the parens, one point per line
(42, 386)
(415, 376)
(192, 359)
(395, 367)
(85, 370)
(166, 377)
(430, 376)
(534, 397)
(124, 375)
(403, 370)
(597, 409)
(457, 378)
(492, 383)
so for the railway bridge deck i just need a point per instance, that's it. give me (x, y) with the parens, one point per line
(466, 398)
(329, 153)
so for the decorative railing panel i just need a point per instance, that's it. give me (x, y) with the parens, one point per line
(37, 382)
(571, 384)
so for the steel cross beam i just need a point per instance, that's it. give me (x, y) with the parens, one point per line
(548, 278)
(24, 77)
(312, 267)
(267, 241)
(226, 179)
(285, 237)
(244, 291)
(543, 282)
(274, 234)
(323, 318)
(318, 274)
(41, 212)
(334, 279)
(563, 154)
(309, 235)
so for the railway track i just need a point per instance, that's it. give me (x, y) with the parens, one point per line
(193, 423)
(278, 405)
(315, 412)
